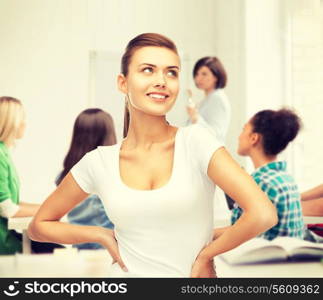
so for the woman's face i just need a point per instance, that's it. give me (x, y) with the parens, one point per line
(245, 139)
(205, 80)
(152, 82)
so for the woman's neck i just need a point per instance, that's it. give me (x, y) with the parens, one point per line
(146, 130)
(260, 159)
(208, 92)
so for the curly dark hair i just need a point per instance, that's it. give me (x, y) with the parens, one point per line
(277, 128)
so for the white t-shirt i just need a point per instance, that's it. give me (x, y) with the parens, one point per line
(159, 232)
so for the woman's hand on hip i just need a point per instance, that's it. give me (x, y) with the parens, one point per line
(110, 243)
(203, 268)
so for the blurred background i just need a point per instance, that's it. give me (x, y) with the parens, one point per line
(60, 57)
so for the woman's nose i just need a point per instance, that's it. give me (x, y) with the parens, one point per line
(160, 81)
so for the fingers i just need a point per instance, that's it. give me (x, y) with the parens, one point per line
(121, 264)
(114, 252)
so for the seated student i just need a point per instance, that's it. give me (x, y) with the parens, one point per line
(262, 139)
(92, 128)
(12, 127)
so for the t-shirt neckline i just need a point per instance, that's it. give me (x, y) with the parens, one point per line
(170, 179)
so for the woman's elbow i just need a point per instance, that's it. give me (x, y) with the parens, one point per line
(33, 231)
(270, 218)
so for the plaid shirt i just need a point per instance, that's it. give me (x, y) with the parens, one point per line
(282, 190)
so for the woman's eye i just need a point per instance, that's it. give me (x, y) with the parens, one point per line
(172, 73)
(147, 70)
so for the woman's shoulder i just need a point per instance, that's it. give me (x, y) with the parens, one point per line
(197, 135)
(101, 152)
(3, 155)
(199, 131)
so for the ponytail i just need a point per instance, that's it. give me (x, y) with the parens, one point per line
(126, 120)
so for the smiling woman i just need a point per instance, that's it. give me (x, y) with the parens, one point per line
(157, 185)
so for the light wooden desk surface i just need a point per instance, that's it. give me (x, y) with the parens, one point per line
(86, 263)
(97, 264)
(285, 269)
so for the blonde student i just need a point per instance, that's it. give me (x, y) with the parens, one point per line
(12, 128)
(157, 184)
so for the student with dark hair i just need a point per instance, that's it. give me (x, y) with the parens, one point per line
(157, 184)
(214, 110)
(266, 135)
(92, 128)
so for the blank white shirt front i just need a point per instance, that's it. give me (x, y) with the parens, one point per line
(159, 232)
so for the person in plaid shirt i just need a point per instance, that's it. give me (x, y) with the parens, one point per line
(282, 190)
(266, 135)
(262, 139)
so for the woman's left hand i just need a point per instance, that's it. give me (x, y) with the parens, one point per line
(203, 268)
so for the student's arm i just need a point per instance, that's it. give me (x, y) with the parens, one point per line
(26, 210)
(259, 214)
(312, 207)
(46, 225)
(313, 193)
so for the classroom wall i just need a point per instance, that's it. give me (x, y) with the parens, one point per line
(45, 62)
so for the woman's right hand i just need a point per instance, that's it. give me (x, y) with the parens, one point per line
(110, 243)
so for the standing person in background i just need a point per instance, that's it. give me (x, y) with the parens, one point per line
(92, 128)
(214, 110)
(12, 127)
(266, 135)
(158, 183)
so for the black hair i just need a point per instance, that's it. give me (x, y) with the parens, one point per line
(277, 128)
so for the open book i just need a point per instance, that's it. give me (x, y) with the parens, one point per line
(259, 250)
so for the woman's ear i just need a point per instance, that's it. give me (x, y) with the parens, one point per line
(255, 138)
(122, 84)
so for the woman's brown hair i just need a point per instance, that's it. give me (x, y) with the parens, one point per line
(216, 67)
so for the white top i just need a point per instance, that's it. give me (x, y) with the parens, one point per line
(215, 111)
(159, 232)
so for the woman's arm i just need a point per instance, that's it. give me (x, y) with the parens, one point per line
(259, 214)
(218, 231)
(313, 193)
(46, 227)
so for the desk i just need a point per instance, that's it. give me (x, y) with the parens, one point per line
(21, 224)
(85, 263)
(285, 269)
(97, 264)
